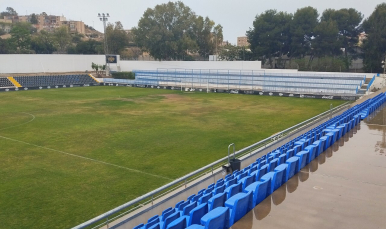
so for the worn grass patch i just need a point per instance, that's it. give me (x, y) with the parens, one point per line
(130, 134)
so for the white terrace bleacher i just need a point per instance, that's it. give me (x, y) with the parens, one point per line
(314, 83)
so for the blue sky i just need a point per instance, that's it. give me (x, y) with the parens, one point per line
(235, 16)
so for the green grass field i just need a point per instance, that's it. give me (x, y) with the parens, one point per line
(68, 155)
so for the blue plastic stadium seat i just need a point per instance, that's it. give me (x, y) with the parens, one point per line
(302, 159)
(183, 205)
(311, 149)
(293, 167)
(166, 213)
(231, 182)
(262, 171)
(318, 147)
(195, 226)
(238, 206)
(197, 213)
(210, 186)
(156, 226)
(290, 153)
(282, 159)
(180, 223)
(179, 203)
(219, 183)
(170, 219)
(205, 198)
(297, 149)
(150, 224)
(273, 164)
(252, 169)
(301, 144)
(217, 201)
(282, 169)
(233, 190)
(196, 197)
(259, 189)
(188, 208)
(246, 181)
(272, 181)
(156, 217)
(191, 197)
(208, 190)
(201, 191)
(218, 190)
(140, 226)
(241, 176)
(218, 218)
(327, 141)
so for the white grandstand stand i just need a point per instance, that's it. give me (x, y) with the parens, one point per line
(254, 80)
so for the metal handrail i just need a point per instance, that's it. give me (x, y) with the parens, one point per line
(186, 177)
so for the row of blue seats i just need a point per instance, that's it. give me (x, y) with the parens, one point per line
(30, 81)
(229, 199)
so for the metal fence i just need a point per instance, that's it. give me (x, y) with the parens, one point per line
(262, 146)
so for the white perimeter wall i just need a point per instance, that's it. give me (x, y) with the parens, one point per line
(19, 63)
(153, 65)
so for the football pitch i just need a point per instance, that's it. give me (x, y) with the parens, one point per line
(68, 155)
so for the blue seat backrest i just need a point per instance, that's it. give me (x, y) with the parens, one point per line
(204, 198)
(167, 213)
(217, 218)
(170, 219)
(218, 190)
(233, 190)
(197, 213)
(179, 223)
(231, 182)
(188, 208)
(247, 181)
(217, 201)
(239, 205)
(139, 226)
(183, 205)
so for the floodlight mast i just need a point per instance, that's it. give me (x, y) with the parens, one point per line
(104, 18)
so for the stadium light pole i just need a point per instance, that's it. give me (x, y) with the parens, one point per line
(104, 18)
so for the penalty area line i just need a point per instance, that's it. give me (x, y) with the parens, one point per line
(86, 158)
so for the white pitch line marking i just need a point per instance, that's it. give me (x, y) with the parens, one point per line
(86, 158)
(33, 118)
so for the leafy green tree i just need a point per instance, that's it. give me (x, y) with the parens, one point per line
(6, 47)
(76, 38)
(62, 39)
(43, 43)
(9, 12)
(348, 21)
(270, 35)
(231, 52)
(167, 31)
(374, 47)
(302, 27)
(21, 36)
(207, 36)
(87, 47)
(34, 19)
(326, 42)
(117, 38)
